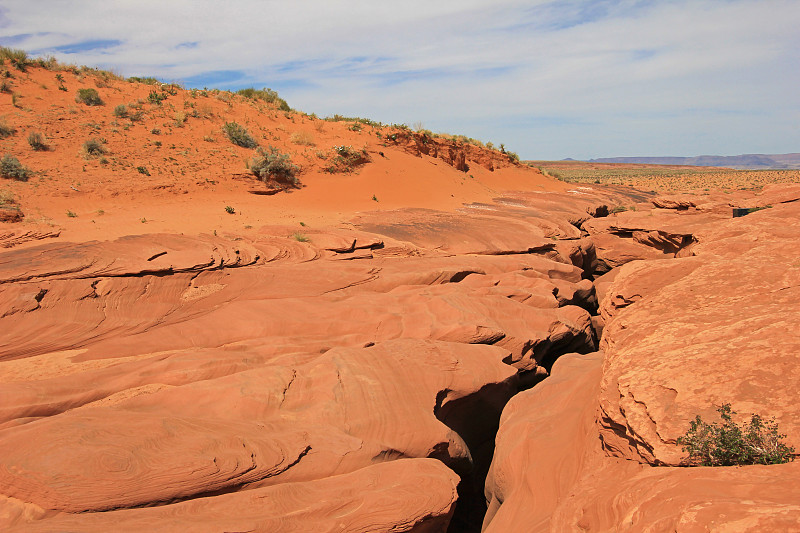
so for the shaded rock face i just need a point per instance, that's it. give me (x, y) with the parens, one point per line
(593, 447)
(213, 383)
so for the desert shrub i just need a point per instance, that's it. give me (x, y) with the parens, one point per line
(271, 164)
(156, 97)
(142, 170)
(93, 147)
(230, 210)
(5, 86)
(729, 444)
(146, 80)
(239, 135)
(267, 95)
(300, 237)
(18, 58)
(88, 97)
(5, 129)
(11, 168)
(346, 159)
(37, 141)
(121, 111)
(360, 120)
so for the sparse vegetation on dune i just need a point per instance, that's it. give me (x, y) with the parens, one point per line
(11, 168)
(5, 129)
(272, 166)
(266, 95)
(239, 136)
(347, 159)
(94, 147)
(37, 141)
(89, 97)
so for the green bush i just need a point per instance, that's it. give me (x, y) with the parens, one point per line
(11, 168)
(272, 165)
(121, 111)
(347, 158)
(156, 98)
(238, 135)
(37, 141)
(88, 97)
(729, 444)
(94, 147)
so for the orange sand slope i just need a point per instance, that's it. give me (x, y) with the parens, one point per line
(367, 352)
(173, 167)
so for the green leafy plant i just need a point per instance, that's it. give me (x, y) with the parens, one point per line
(11, 168)
(88, 97)
(238, 135)
(299, 237)
(143, 170)
(230, 210)
(71, 214)
(272, 165)
(37, 141)
(728, 443)
(156, 97)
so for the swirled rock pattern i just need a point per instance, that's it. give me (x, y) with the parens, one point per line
(191, 381)
(596, 446)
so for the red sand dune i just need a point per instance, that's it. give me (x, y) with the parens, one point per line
(358, 354)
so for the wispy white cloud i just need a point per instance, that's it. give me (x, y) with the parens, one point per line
(547, 78)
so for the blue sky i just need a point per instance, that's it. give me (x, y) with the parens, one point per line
(550, 79)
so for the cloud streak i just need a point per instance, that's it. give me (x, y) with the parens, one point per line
(550, 79)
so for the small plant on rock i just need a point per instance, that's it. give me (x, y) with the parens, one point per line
(238, 135)
(88, 97)
(272, 165)
(729, 444)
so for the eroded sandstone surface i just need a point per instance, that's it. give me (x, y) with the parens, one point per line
(354, 379)
(682, 336)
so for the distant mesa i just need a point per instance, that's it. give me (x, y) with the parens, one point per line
(744, 161)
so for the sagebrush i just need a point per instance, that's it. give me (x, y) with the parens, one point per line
(11, 168)
(271, 165)
(238, 135)
(346, 159)
(89, 97)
